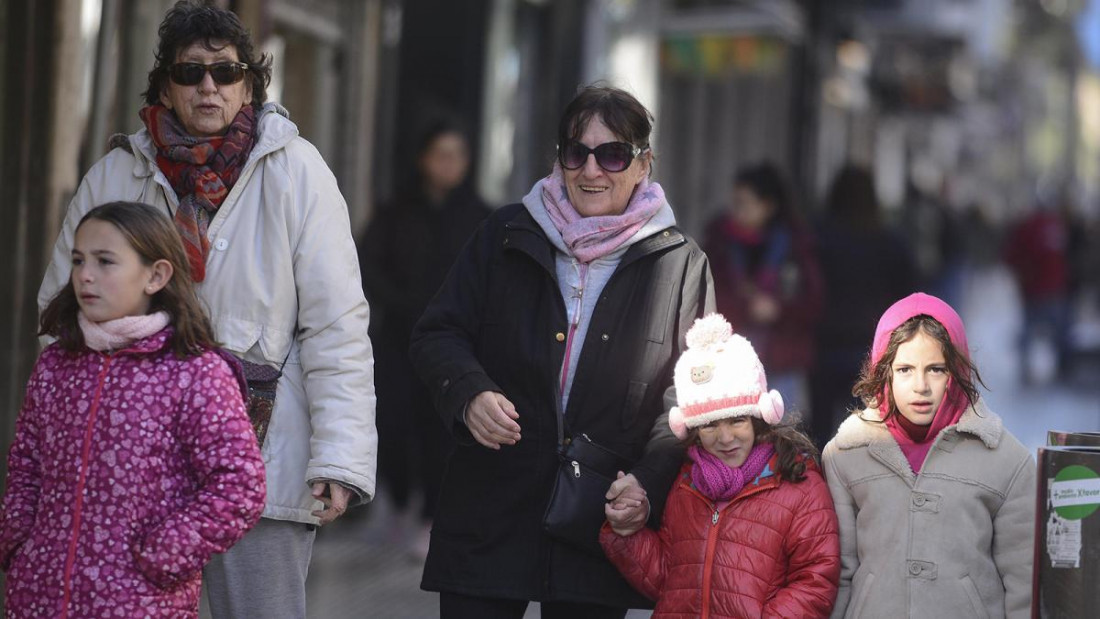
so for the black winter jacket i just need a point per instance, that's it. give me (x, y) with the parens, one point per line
(496, 325)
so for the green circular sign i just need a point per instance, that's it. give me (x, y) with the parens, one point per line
(1080, 485)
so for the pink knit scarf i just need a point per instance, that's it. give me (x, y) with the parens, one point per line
(590, 238)
(720, 482)
(120, 332)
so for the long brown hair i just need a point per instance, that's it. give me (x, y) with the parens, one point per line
(154, 237)
(792, 447)
(875, 377)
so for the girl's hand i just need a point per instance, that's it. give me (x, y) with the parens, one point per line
(764, 308)
(627, 507)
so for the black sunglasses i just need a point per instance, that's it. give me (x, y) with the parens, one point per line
(611, 156)
(191, 73)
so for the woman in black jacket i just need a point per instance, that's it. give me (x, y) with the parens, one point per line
(562, 318)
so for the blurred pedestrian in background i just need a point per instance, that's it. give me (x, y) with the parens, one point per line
(935, 497)
(270, 248)
(1038, 253)
(559, 324)
(866, 265)
(404, 256)
(767, 281)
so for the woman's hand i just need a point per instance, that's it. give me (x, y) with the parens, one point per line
(491, 418)
(627, 507)
(334, 497)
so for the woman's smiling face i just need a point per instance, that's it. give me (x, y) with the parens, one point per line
(594, 191)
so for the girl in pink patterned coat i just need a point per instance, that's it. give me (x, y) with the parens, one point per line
(134, 460)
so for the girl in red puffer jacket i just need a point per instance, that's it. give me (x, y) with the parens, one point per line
(749, 528)
(134, 460)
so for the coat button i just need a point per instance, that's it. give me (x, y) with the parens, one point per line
(918, 501)
(914, 568)
(446, 383)
(560, 337)
(604, 337)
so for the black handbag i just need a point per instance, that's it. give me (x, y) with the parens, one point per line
(576, 510)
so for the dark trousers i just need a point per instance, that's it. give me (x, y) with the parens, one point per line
(455, 606)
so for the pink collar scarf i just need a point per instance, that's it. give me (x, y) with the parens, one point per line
(720, 482)
(952, 407)
(590, 238)
(954, 402)
(120, 332)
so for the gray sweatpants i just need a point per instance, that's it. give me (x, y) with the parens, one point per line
(263, 575)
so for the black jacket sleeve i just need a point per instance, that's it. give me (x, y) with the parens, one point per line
(663, 454)
(442, 343)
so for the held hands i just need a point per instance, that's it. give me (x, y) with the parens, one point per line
(491, 418)
(335, 498)
(627, 507)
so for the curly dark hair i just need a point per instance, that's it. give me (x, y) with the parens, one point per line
(154, 237)
(875, 377)
(192, 21)
(792, 447)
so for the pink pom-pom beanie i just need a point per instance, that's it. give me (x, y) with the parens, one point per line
(719, 376)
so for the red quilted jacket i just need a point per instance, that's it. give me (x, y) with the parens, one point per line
(772, 551)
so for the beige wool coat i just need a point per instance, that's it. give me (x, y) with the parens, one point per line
(954, 541)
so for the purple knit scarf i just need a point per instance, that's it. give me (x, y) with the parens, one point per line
(590, 238)
(720, 482)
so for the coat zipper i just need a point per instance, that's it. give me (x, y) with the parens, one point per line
(79, 499)
(574, 323)
(708, 561)
(712, 542)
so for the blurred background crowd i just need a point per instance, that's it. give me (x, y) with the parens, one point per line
(830, 155)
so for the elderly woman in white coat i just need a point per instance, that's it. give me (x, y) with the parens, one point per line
(270, 245)
(935, 498)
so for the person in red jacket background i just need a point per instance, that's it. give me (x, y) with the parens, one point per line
(750, 503)
(767, 277)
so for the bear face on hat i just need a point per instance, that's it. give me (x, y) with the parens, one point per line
(719, 376)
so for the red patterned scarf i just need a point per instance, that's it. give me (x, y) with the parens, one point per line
(200, 170)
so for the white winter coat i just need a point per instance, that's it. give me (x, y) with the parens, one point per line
(282, 282)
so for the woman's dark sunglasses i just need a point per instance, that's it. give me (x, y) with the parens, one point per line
(191, 73)
(611, 156)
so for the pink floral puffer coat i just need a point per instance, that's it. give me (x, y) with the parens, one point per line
(127, 472)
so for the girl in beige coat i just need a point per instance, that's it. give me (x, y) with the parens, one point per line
(935, 498)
